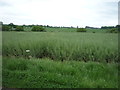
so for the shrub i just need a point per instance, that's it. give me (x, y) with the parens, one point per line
(19, 28)
(81, 30)
(113, 30)
(6, 28)
(38, 28)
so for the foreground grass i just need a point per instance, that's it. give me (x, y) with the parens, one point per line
(45, 73)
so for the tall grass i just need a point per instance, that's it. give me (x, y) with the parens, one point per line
(45, 73)
(99, 47)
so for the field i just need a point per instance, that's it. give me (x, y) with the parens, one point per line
(62, 45)
(27, 29)
(60, 59)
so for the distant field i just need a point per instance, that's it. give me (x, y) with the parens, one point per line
(68, 30)
(60, 60)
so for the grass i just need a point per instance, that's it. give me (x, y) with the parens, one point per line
(90, 60)
(99, 47)
(60, 29)
(45, 73)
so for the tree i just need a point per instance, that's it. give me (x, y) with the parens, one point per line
(19, 28)
(81, 30)
(38, 28)
(107, 27)
(12, 25)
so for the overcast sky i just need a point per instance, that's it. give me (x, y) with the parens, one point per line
(80, 13)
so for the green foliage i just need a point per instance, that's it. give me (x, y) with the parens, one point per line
(45, 73)
(38, 28)
(113, 30)
(19, 65)
(71, 47)
(96, 47)
(12, 25)
(19, 28)
(6, 28)
(81, 30)
(107, 27)
(48, 29)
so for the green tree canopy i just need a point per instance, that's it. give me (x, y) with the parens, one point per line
(38, 28)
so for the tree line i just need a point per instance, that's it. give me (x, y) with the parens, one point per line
(12, 27)
(41, 28)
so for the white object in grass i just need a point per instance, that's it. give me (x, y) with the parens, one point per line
(27, 51)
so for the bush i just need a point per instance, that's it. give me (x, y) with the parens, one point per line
(19, 28)
(38, 28)
(113, 30)
(81, 30)
(6, 28)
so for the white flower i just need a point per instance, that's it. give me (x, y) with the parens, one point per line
(27, 50)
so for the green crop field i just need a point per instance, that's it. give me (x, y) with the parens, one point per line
(28, 29)
(62, 45)
(60, 59)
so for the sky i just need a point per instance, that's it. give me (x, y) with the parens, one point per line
(95, 13)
